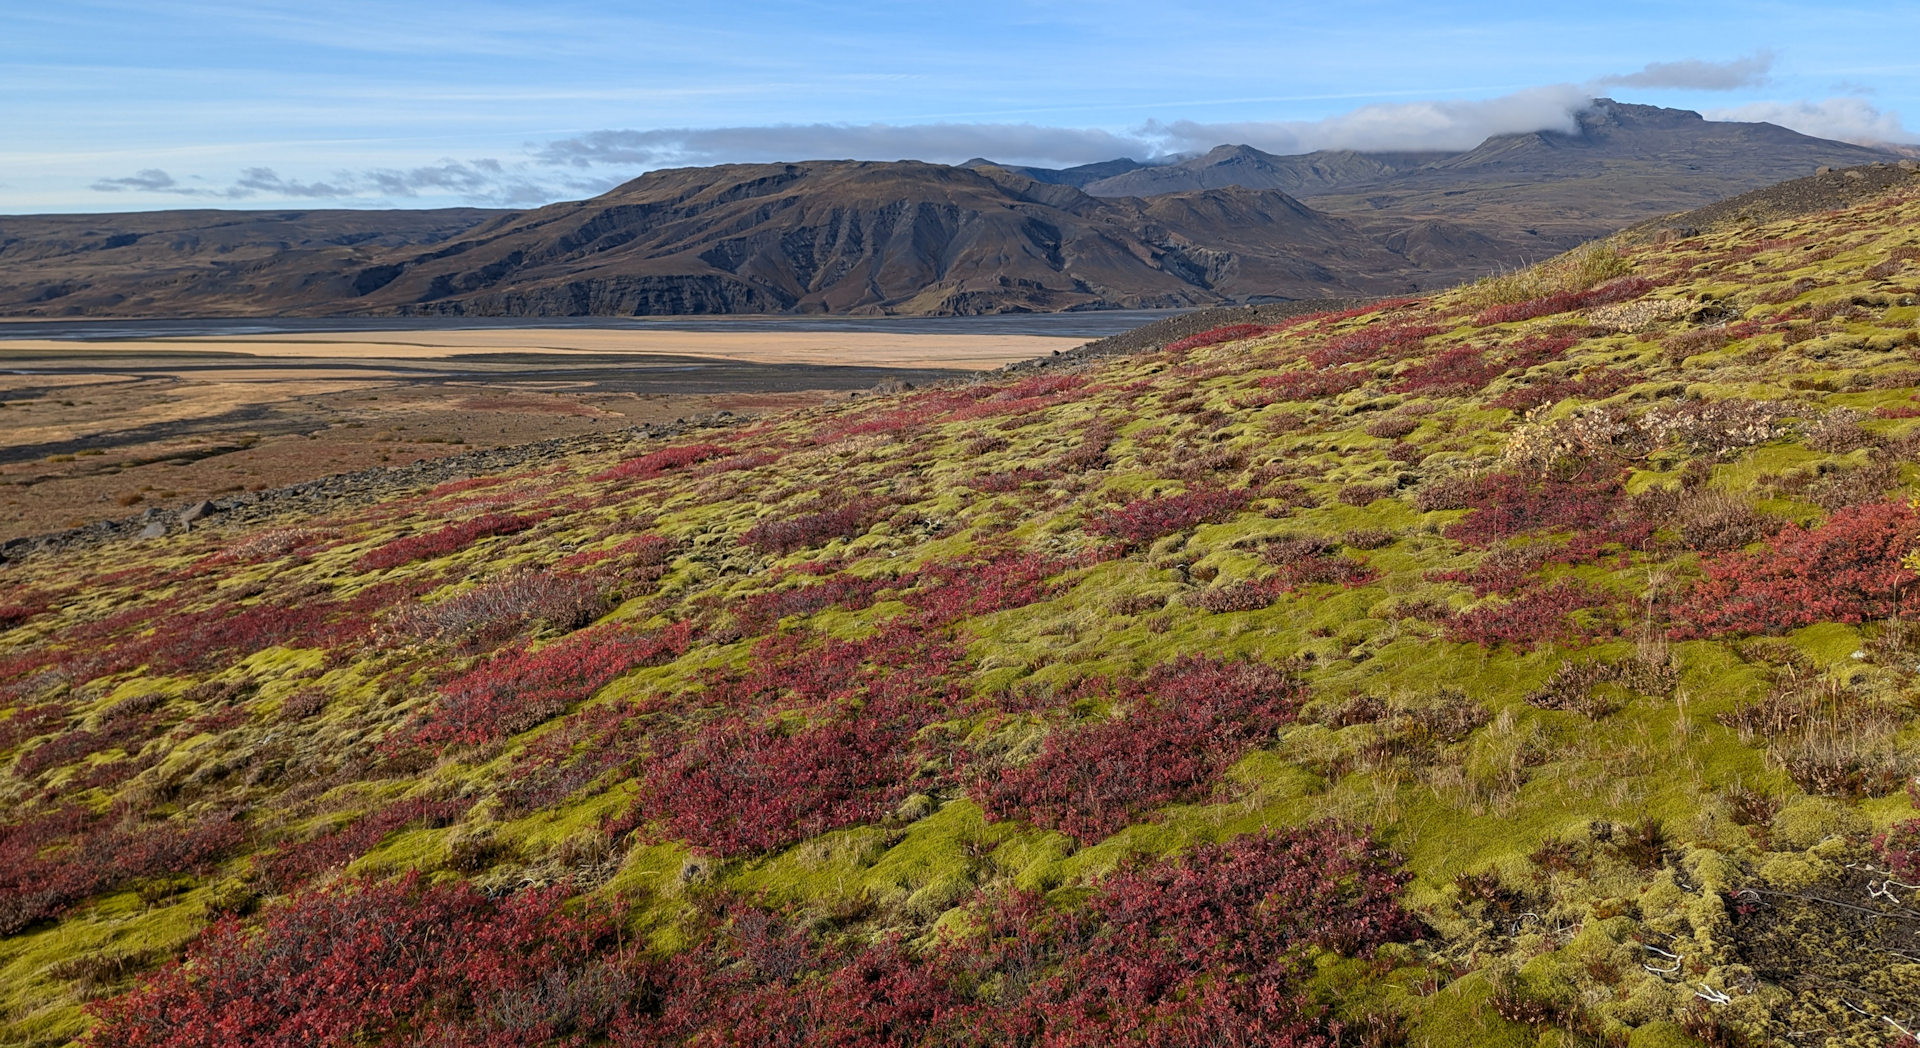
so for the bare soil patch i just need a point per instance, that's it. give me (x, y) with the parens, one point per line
(95, 430)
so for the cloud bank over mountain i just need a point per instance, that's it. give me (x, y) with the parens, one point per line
(593, 161)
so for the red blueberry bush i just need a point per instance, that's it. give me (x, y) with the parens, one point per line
(1534, 616)
(1215, 336)
(1845, 569)
(819, 523)
(383, 963)
(1460, 369)
(1899, 848)
(1509, 503)
(513, 691)
(49, 862)
(1567, 301)
(442, 541)
(1319, 384)
(1213, 947)
(1374, 342)
(1172, 734)
(666, 460)
(1145, 519)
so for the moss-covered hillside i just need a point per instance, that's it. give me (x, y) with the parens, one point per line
(1531, 664)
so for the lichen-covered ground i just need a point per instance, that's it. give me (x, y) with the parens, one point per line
(1528, 664)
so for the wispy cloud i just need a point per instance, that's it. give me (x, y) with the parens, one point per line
(481, 181)
(1846, 119)
(585, 164)
(1410, 125)
(1446, 125)
(940, 142)
(146, 180)
(1698, 74)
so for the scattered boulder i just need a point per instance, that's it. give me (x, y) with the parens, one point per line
(153, 530)
(198, 511)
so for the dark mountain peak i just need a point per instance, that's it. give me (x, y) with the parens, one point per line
(1232, 154)
(1078, 176)
(1605, 115)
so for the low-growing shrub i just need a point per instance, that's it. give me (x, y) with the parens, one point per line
(1321, 384)
(816, 524)
(442, 541)
(1845, 569)
(1620, 290)
(1176, 731)
(486, 615)
(1145, 519)
(515, 690)
(1215, 336)
(1531, 617)
(1899, 848)
(1455, 371)
(653, 464)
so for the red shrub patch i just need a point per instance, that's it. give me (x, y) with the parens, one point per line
(950, 593)
(1530, 618)
(1215, 336)
(739, 786)
(1899, 848)
(757, 613)
(1506, 504)
(1846, 569)
(824, 521)
(21, 608)
(367, 963)
(1215, 947)
(666, 460)
(297, 862)
(50, 862)
(442, 541)
(1461, 369)
(511, 692)
(754, 780)
(1566, 301)
(1145, 519)
(1375, 342)
(1322, 384)
(1189, 720)
(1594, 385)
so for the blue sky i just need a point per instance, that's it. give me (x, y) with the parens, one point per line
(112, 105)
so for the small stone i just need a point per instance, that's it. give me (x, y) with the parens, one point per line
(198, 511)
(154, 530)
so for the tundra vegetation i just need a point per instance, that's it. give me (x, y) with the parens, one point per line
(1534, 663)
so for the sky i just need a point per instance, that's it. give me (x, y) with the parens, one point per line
(124, 105)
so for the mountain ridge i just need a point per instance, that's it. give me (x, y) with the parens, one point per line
(906, 237)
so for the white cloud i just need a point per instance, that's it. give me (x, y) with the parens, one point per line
(1445, 125)
(937, 143)
(1412, 125)
(1847, 119)
(481, 181)
(1697, 74)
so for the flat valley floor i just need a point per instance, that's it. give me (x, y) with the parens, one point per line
(103, 428)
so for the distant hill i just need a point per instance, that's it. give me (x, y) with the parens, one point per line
(1234, 225)
(818, 237)
(1078, 177)
(1623, 163)
(159, 261)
